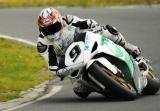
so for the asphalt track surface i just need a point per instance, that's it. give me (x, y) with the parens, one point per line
(139, 25)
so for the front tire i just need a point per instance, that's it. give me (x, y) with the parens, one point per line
(82, 90)
(82, 95)
(153, 84)
(117, 85)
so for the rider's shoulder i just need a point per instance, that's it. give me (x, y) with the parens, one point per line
(68, 18)
(41, 36)
(43, 39)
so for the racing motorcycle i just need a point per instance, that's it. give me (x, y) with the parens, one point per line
(108, 69)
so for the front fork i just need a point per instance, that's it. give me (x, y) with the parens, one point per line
(141, 70)
(75, 76)
(81, 76)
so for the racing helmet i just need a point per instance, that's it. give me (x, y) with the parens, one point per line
(50, 22)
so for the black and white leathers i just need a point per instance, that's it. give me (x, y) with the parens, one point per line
(52, 49)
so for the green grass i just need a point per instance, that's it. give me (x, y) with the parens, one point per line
(21, 68)
(70, 3)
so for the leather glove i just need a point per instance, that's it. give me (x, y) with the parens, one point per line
(62, 73)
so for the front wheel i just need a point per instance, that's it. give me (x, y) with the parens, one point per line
(153, 84)
(117, 85)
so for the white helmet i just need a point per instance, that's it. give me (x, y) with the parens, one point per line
(50, 22)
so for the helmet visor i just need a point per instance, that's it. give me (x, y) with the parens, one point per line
(51, 30)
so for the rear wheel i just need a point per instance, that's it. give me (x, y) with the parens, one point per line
(116, 84)
(153, 84)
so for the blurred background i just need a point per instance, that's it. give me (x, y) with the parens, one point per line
(18, 18)
(82, 3)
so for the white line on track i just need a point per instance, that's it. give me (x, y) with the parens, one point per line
(18, 39)
(52, 92)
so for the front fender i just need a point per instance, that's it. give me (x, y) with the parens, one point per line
(103, 61)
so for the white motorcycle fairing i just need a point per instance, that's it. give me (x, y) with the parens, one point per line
(80, 54)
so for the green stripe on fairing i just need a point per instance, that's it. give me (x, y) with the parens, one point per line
(118, 52)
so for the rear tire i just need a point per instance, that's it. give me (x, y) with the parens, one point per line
(117, 85)
(153, 84)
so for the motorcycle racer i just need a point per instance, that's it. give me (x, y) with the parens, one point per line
(55, 36)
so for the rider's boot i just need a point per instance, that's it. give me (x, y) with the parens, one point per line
(115, 36)
(132, 50)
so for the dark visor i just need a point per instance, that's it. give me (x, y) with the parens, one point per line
(51, 30)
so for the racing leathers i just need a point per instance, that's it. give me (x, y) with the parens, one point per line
(50, 49)
(53, 49)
